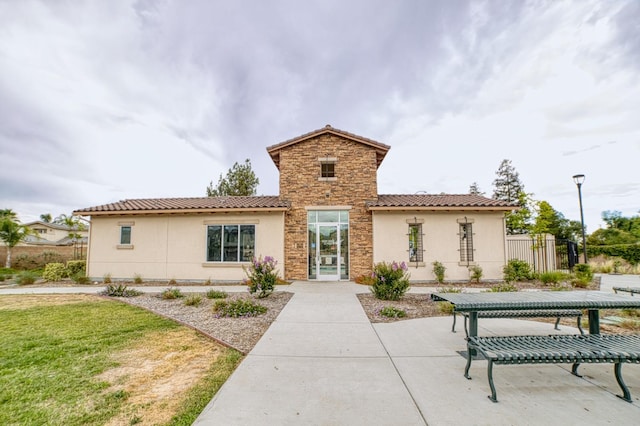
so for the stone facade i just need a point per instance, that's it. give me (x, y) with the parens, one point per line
(354, 185)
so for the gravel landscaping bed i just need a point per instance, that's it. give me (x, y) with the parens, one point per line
(239, 333)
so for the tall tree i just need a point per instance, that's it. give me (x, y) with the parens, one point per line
(72, 223)
(507, 186)
(46, 217)
(11, 232)
(550, 221)
(474, 189)
(240, 180)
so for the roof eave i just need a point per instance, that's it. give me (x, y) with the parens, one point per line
(180, 211)
(440, 208)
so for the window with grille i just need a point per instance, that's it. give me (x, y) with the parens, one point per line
(466, 242)
(327, 169)
(415, 243)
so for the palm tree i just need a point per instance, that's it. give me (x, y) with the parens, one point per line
(72, 223)
(46, 217)
(11, 232)
(8, 214)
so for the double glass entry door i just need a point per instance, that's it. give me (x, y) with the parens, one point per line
(328, 251)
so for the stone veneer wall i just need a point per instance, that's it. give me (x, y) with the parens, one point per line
(356, 183)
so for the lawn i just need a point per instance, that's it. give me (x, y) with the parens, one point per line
(83, 360)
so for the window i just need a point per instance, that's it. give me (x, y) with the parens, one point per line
(466, 242)
(327, 169)
(231, 243)
(415, 242)
(125, 235)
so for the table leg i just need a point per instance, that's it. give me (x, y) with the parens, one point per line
(473, 329)
(594, 321)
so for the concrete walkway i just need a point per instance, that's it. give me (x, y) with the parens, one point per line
(323, 363)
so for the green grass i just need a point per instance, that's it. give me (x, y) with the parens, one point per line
(50, 355)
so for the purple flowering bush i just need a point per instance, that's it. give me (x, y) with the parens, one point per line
(391, 280)
(261, 276)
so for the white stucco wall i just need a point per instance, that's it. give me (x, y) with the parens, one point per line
(441, 242)
(174, 247)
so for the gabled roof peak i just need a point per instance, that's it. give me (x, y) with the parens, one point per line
(381, 149)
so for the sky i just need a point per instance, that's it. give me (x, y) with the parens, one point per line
(108, 100)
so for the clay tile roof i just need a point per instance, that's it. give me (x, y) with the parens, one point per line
(199, 204)
(381, 149)
(439, 201)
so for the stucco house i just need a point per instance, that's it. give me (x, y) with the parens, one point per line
(327, 224)
(46, 233)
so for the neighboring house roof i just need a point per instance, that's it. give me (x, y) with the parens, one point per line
(381, 149)
(66, 241)
(39, 223)
(188, 205)
(438, 202)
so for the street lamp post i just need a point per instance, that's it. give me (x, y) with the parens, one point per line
(579, 179)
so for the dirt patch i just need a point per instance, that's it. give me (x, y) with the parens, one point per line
(156, 374)
(26, 301)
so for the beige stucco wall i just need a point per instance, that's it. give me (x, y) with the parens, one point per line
(174, 247)
(441, 242)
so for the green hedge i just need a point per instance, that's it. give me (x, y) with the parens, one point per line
(629, 252)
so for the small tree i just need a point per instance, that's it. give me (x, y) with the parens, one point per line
(11, 233)
(240, 180)
(262, 276)
(391, 280)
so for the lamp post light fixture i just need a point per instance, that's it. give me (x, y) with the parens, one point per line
(579, 179)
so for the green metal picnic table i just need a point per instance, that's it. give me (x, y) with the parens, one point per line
(593, 301)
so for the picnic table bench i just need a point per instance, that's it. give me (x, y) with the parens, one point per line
(632, 290)
(575, 349)
(525, 313)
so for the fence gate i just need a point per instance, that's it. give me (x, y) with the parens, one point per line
(543, 252)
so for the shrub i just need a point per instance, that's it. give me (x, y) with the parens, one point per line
(503, 288)
(80, 278)
(106, 278)
(55, 272)
(26, 277)
(137, 278)
(439, 270)
(475, 273)
(216, 294)
(552, 277)
(392, 312)
(583, 275)
(172, 281)
(261, 276)
(193, 300)
(516, 270)
(238, 308)
(120, 290)
(391, 280)
(171, 293)
(449, 290)
(75, 267)
(445, 307)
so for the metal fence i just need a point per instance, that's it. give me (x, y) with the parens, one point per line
(543, 252)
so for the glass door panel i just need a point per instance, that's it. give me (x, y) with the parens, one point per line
(344, 252)
(327, 260)
(313, 248)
